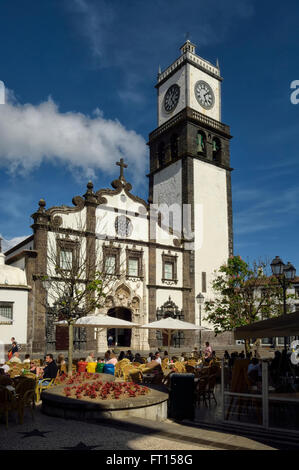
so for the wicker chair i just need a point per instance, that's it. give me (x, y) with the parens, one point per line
(8, 402)
(25, 392)
(179, 367)
(201, 390)
(135, 375)
(190, 369)
(43, 385)
(210, 392)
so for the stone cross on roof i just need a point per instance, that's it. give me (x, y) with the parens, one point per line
(122, 166)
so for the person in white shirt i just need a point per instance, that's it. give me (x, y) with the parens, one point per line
(157, 357)
(5, 367)
(15, 358)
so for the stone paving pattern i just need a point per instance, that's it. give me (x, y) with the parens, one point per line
(49, 433)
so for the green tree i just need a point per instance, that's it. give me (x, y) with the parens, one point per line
(243, 294)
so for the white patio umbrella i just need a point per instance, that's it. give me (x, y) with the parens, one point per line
(171, 325)
(100, 321)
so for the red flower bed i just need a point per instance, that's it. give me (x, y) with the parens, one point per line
(103, 391)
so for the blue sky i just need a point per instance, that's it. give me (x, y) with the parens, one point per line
(80, 78)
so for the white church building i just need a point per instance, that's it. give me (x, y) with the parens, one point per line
(160, 253)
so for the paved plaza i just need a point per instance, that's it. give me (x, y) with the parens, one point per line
(50, 433)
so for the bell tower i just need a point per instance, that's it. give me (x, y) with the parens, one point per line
(190, 160)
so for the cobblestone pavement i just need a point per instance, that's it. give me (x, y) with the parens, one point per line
(50, 433)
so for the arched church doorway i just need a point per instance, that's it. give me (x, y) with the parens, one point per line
(121, 336)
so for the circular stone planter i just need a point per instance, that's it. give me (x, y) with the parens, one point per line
(151, 406)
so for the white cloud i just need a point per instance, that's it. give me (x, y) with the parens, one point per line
(7, 244)
(30, 134)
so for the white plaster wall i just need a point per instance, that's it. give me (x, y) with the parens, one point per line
(76, 221)
(180, 79)
(135, 211)
(20, 310)
(195, 75)
(168, 185)
(211, 222)
(175, 296)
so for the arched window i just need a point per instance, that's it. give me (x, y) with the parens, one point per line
(174, 146)
(216, 150)
(200, 143)
(161, 154)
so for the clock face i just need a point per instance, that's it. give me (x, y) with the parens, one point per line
(204, 94)
(123, 226)
(171, 98)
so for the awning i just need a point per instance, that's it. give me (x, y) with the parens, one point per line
(284, 325)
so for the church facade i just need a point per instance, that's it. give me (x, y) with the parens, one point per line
(157, 255)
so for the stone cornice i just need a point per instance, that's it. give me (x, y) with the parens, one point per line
(155, 286)
(191, 59)
(17, 287)
(190, 114)
(119, 186)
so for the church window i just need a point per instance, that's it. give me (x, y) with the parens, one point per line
(133, 267)
(168, 271)
(66, 259)
(123, 226)
(216, 147)
(110, 264)
(67, 254)
(174, 141)
(204, 282)
(161, 154)
(6, 310)
(169, 268)
(111, 260)
(134, 263)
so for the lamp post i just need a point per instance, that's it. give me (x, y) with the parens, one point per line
(284, 273)
(200, 300)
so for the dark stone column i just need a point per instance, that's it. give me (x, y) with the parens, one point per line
(38, 312)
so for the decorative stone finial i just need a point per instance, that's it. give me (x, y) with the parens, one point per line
(90, 185)
(42, 205)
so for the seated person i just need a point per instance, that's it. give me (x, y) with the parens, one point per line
(112, 359)
(129, 355)
(27, 359)
(254, 370)
(182, 357)
(138, 358)
(50, 371)
(4, 367)
(107, 356)
(61, 364)
(90, 357)
(15, 358)
(150, 357)
(121, 356)
(157, 357)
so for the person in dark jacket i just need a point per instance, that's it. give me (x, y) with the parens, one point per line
(51, 369)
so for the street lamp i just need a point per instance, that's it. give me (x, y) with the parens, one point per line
(200, 300)
(284, 274)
